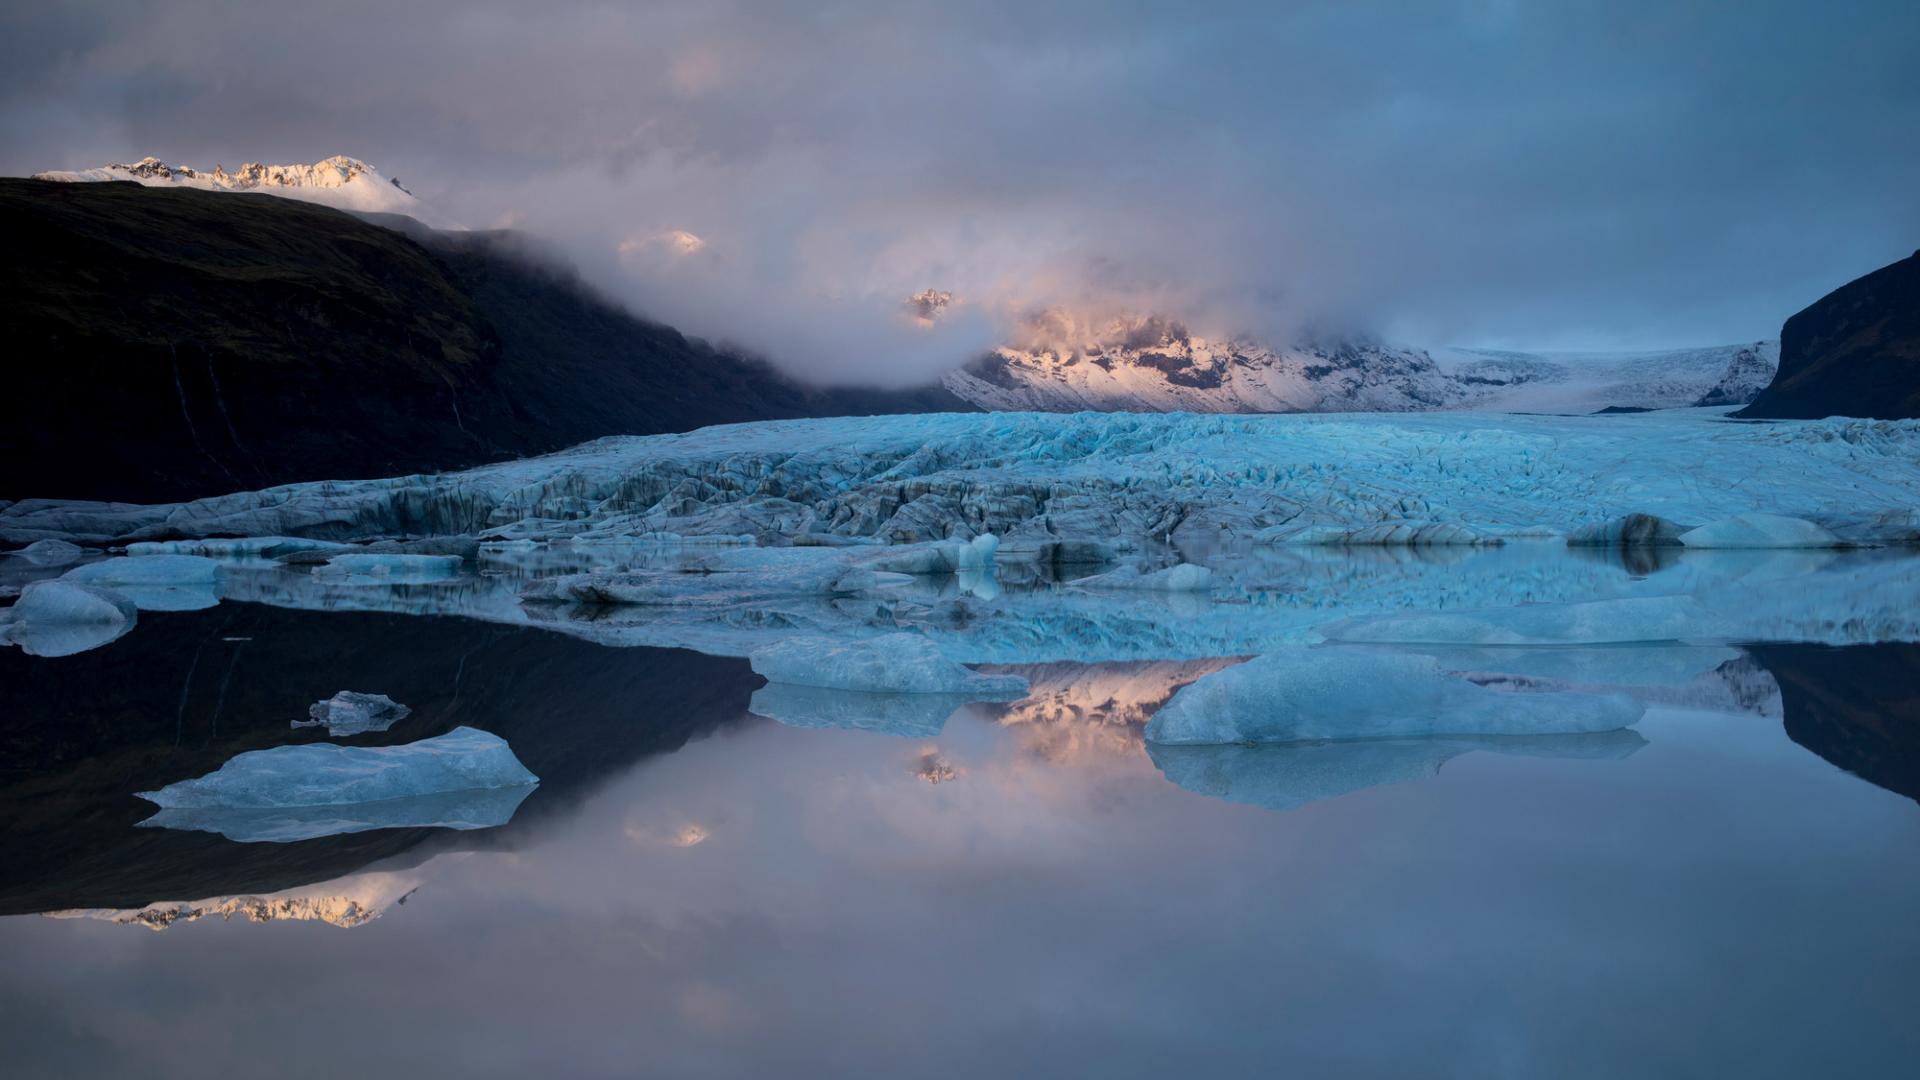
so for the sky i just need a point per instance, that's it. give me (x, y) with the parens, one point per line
(1573, 175)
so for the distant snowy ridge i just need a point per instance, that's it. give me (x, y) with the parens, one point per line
(1152, 364)
(341, 182)
(348, 902)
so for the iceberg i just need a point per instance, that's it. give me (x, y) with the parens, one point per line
(245, 547)
(147, 570)
(893, 663)
(1760, 531)
(1312, 694)
(351, 713)
(155, 582)
(1631, 530)
(1287, 776)
(390, 569)
(51, 553)
(915, 715)
(465, 779)
(61, 618)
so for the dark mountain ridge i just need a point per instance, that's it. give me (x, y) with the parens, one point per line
(175, 343)
(1853, 352)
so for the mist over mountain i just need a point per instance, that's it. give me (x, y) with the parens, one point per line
(1588, 176)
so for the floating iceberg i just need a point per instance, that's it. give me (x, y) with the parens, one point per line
(465, 779)
(910, 715)
(51, 553)
(1760, 531)
(892, 664)
(147, 570)
(1291, 775)
(1309, 694)
(390, 569)
(156, 582)
(352, 713)
(1631, 530)
(61, 618)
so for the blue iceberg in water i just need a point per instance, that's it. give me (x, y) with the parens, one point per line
(1315, 694)
(919, 716)
(465, 779)
(889, 664)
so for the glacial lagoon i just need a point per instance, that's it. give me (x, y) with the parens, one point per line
(718, 875)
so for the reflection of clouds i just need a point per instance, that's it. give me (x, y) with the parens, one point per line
(691, 834)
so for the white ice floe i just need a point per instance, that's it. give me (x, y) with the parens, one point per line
(1114, 478)
(61, 618)
(1760, 531)
(352, 713)
(1309, 694)
(893, 663)
(245, 547)
(465, 779)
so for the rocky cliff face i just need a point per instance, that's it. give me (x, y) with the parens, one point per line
(171, 343)
(1854, 352)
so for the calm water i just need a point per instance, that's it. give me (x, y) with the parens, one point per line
(696, 889)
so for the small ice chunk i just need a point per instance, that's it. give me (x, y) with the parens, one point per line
(51, 553)
(61, 618)
(1592, 622)
(147, 570)
(919, 716)
(395, 569)
(1760, 531)
(894, 663)
(322, 789)
(1306, 694)
(1186, 577)
(351, 713)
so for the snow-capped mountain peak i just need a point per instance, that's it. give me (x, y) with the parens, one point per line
(339, 181)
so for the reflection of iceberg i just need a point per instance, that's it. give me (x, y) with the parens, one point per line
(475, 808)
(465, 779)
(911, 715)
(346, 902)
(154, 582)
(1289, 775)
(61, 618)
(1305, 694)
(889, 664)
(390, 569)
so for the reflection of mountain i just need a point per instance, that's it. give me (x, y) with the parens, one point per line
(188, 690)
(1858, 707)
(1073, 711)
(347, 902)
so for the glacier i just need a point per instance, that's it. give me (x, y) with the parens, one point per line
(1193, 481)
(1329, 694)
(465, 779)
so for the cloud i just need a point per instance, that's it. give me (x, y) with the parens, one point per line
(1574, 174)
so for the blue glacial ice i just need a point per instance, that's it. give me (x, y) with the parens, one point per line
(389, 569)
(888, 664)
(51, 553)
(61, 618)
(1318, 693)
(155, 582)
(1760, 531)
(465, 779)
